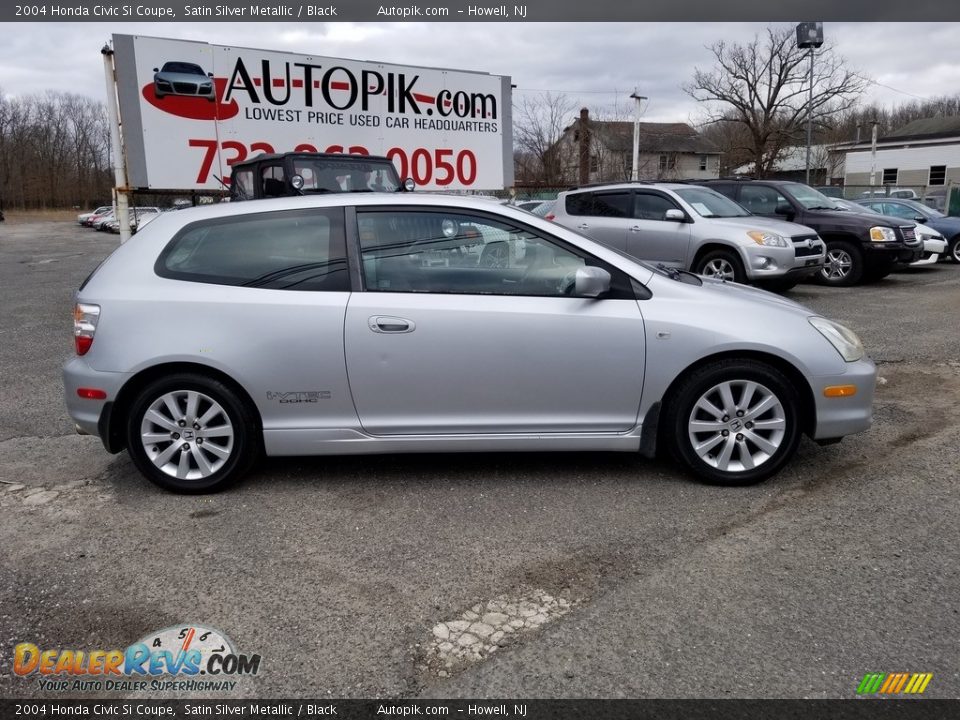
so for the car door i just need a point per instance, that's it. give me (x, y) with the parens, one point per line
(650, 236)
(602, 216)
(438, 343)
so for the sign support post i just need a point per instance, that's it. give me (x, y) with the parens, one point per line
(120, 190)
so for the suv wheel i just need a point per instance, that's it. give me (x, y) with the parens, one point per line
(722, 264)
(191, 434)
(843, 264)
(734, 422)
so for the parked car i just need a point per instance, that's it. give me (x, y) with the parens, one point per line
(545, 209)
(530, 205)
(692, 228)
(858, 248)
(270, 175)
(84, 217)
(100, 214)
(137, 217)
(315, 325)
(183, 78)
(892, 192)
(948, 227)
(933, 245)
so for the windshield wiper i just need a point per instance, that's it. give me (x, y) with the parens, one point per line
(820, 207)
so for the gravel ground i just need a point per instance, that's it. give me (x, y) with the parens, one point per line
(354, 577)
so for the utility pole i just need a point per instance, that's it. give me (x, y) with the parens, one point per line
(635, 170)
(873, 153)
(809, 36)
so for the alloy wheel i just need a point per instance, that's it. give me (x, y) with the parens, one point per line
(187, 435)
(737, 425)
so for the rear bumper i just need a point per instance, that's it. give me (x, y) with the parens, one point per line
(841, 416)
(87, 414)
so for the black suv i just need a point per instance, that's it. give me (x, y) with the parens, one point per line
(304, 173)
(859, 247)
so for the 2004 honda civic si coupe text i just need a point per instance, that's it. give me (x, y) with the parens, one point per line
(372, 323)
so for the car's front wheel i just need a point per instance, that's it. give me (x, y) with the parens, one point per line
(843, 264)
(723, 264)
(733, 422)
(191, 434)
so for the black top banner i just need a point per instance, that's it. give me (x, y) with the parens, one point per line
(461, 11)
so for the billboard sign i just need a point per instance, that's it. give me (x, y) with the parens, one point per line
(189, 110)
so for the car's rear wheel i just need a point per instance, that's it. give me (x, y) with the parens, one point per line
(843, 264)
(723, 264)
(191, 434)
(733, 422)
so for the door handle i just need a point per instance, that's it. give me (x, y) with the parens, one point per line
(635, 228)
(584, 226)
(387, 324)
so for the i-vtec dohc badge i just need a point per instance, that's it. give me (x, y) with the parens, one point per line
(299, 396)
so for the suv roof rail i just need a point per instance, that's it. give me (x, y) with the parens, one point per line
(611, 182)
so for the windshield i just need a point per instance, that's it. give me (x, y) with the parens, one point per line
(324, 175)
(711, 204)
(182, 67)
(808, 197)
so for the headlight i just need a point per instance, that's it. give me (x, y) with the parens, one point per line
(843, 339)
(882, 234)
(767, 238)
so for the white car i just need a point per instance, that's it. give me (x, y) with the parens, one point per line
(83, 217)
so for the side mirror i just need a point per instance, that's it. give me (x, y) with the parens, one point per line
(591, 282)
(675, 215)
(156, 69)
(920, 219)
(783, 209)
(408, 185)
(209, 74)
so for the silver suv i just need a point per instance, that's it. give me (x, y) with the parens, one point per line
(692, 228)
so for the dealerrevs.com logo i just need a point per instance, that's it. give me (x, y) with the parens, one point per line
(186, 657)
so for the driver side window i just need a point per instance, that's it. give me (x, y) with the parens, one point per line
(436, 251)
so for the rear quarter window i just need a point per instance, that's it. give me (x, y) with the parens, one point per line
(292, 250)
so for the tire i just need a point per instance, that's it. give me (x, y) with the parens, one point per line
(843, 265)
(160, 419)
(953, 249)
(748, 454)
(723, 264)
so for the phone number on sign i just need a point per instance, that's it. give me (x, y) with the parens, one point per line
(440, 166)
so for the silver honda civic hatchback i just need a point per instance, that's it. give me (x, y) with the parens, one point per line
(352, 324)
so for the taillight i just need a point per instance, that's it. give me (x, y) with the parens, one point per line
(85, 318)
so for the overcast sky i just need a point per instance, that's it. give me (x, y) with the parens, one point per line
(596, 64)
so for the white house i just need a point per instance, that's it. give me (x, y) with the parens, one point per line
(922, 154)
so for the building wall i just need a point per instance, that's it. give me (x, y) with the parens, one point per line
(913, 164)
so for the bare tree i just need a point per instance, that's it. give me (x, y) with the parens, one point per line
(763, 86)
(539, 122)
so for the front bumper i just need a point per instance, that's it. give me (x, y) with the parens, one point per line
(841, 416)
(771, 263)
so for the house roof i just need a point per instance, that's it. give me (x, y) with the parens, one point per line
(932, 127)
(654, 137)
